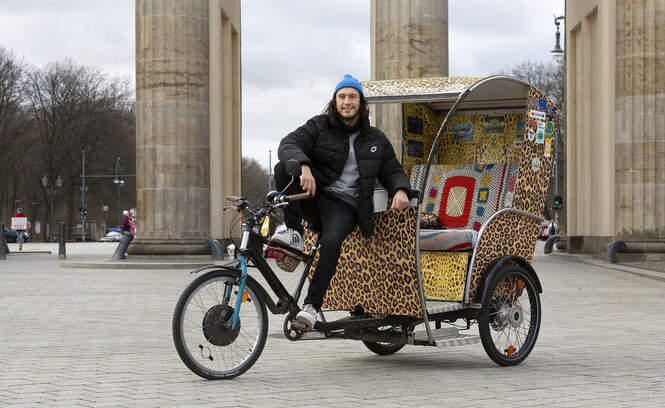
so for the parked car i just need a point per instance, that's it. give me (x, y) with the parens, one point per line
(12, 236)
(112, 236)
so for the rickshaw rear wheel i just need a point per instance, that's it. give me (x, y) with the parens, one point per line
(509, 320)
(383, 349)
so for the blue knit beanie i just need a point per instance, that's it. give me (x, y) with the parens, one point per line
(349, 82)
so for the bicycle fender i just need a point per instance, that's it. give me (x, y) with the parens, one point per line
(223, 267)
(496, 266)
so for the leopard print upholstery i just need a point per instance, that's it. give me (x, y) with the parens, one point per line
(288, 264)
(379, 273)
(511, 234)
(444, 274)
(383, 90)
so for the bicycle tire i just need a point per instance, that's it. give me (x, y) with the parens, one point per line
(383, 349)
(211, 349)
(509, 320)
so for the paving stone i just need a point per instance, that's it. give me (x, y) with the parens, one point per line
(102, 337)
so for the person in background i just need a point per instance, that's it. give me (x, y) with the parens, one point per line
(132, 225)
(20, 230)
(125, 226)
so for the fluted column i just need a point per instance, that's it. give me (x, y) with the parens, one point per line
(409, 39)
(172, 129)
(640, 120)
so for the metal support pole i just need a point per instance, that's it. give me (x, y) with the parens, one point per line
(119, 182)
(117, 205)
(84, 199)
(269, 170)
(62, 252)
(52, 237)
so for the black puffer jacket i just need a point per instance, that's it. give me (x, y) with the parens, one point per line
(324, 146)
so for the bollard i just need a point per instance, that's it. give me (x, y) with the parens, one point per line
(215, 247)
(4, 248)
(550, 243)
(122, 246)
(62, 253)
(612, 249)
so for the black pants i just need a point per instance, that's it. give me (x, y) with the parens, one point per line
(337, 220)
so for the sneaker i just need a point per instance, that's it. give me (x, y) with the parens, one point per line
(291, 238)
(307, 316)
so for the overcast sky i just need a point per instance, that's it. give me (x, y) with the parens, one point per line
(293, 52)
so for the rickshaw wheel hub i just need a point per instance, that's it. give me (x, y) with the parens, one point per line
(516, 316)
(508, 316)
(216, 326)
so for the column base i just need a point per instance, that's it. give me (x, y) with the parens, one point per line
(582, 244)
(152, 246)
(648, 246)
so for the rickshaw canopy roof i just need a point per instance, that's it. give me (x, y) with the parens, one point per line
(442, 92)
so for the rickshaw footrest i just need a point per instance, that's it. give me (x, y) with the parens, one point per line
(445, 337)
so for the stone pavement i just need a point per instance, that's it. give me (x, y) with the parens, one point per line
(102, 337)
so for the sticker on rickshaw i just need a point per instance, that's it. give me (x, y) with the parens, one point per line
(540, 133)
(537, 114)
(548, 147)
(549, 131)
(535, 165)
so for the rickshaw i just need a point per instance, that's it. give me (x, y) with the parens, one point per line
(478, 152)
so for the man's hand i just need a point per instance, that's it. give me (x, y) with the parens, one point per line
(307, 181)
(400, 201)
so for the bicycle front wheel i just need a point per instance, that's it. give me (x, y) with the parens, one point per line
(202, 332)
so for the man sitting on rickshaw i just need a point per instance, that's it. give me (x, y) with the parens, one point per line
(341, 157)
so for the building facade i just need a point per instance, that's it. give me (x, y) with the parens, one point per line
(615, 126)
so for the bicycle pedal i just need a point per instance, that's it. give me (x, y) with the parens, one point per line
(300, 326)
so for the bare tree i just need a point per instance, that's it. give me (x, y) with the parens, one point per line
(76, 108)
(254, 180)
(12, 127)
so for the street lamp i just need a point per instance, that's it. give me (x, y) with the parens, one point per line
(558, 56)
(557, 52)
(51, 192)
(119, 182)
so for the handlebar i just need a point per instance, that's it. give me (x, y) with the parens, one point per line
(297, 197)
(280, 199)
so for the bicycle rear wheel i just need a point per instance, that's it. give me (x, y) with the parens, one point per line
(510, 318)
(202, 333)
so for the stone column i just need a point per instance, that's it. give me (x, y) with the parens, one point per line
(640, 123)
(172, 127)
(409, 39)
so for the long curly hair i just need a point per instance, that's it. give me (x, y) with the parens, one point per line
(363, 111)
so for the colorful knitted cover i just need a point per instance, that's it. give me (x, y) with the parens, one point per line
(463, 198)
(447, 240)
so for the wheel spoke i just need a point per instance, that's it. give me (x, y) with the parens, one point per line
(510, 320)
